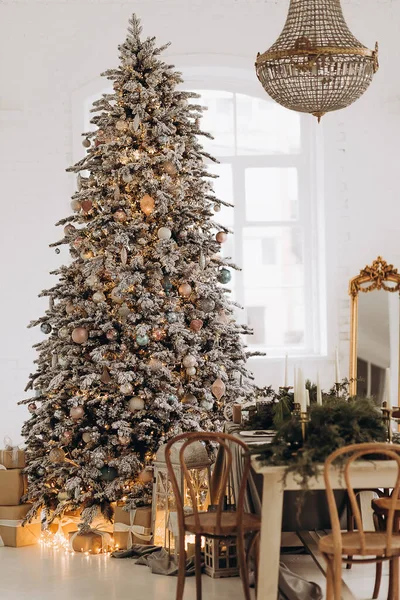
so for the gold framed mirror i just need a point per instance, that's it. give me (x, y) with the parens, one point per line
(374, 332)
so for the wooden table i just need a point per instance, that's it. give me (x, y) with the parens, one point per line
(365, 474)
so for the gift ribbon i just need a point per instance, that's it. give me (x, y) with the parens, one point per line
(14, 523)
(66, 521)
(106, 539)
(8, 444)
(133, 530)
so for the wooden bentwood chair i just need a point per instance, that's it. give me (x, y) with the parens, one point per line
(218, 524)
(373, 547)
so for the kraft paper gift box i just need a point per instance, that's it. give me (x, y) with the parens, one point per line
(132, 527)
(12, 486)
(93, 541)
(13, 458)
(67, 523)
(12, 533)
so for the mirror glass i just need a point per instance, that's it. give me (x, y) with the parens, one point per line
(373, 350)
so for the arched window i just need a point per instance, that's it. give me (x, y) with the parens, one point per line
(266, 170)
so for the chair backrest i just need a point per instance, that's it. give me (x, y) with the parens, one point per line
(354, 452)
(224, 442)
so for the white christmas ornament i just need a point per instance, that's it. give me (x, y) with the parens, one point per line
(164, 233)
(98, 297)
(191, 371)
(218, 388)
(126, 389)
(189, 361)
(136, 403)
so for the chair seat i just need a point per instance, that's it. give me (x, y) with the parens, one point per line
(208, 523)
(382, 505)
(375, 544)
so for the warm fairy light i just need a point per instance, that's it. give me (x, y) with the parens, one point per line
(58, 541)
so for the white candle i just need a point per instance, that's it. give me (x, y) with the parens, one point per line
(308, 397)
(286, 367)
(319, 393)
(295, 385)
(301, 389)
(387, 390)
(337, 367)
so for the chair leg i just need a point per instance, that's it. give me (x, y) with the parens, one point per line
(329, 578)
(394, 579)
(198, 566)
(350, 527)
(181, 569)
(378, 579)
(244, 573)
(337, 579)
(256, 561)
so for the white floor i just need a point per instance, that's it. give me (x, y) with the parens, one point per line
(37, 573)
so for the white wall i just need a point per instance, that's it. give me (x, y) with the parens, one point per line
(52, 49)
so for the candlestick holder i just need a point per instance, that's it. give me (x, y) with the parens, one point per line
(303, 423)
(285, 389)
(387, 415)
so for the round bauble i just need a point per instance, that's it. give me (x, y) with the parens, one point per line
(86, 143)
(217, 207)
(76, 205)
(62, 496)
(76, 412)
(120, 216)
(121, 125)
(218, 388)
(158, 334)
(69, 307)
(146, 476)
(155, 364)
(56, 455)
(45, 328)
(98, 297)
(188, 399)
(136, 403)
(80, 335)
(142, 241)
(191, 371)
(112, 335)
(224, 276)
(86, 205)
(172, 317)
(221, 237)
(32, 407)
(172, 398)
(147, 204)
(169, 168)
(69, 229)
(124, 440)
(164, 233)
(206, 304)
(127, 177)
(40, 471)
(196, 324)
(66, 436)
(185, 290)
(142, 340)
(62, 361)
(126, 389)
(87, 437)
(108, 473)
(63, 333)
(124, 311)
(189, 361)
(86, 254)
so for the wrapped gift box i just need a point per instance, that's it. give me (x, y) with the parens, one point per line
(12, 533)
(94, 541)
(12, 486)
(12, 459)
(132, 527)
(67, 523)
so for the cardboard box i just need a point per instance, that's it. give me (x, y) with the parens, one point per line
(12, 460)
(13, 486)
(11, 531)
(125, 524)
(92, 541)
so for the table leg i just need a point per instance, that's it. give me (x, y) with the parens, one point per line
(270, 543)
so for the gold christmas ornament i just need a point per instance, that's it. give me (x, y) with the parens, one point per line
(221, 237)
(76, 412)
(120, 216)
(56, 455)
(316, 65)
(185, 290)
(147, 204)
(80, 335)
(218, 388)
(170, 168)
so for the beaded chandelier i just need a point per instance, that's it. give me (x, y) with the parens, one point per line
(316, 65)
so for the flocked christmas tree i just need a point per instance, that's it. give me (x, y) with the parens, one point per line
(141, 340)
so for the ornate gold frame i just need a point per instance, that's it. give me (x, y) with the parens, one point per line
(371, 278)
